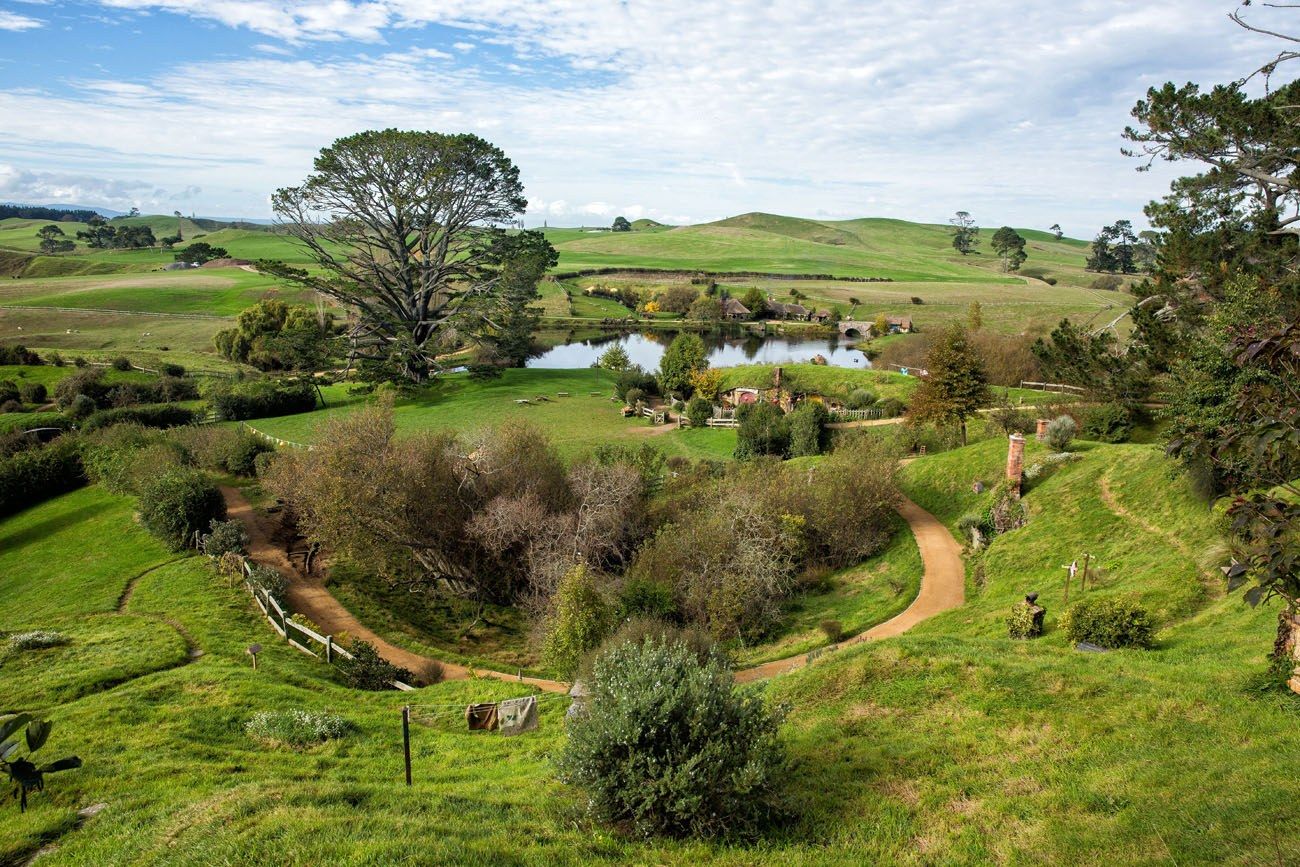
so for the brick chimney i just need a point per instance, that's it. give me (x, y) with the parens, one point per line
(1016, 460)
(1041, 429)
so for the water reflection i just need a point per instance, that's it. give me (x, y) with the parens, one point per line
(646, 349)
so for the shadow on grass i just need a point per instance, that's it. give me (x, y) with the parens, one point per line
(50, 526)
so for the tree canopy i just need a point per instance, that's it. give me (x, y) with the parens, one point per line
(955, 385)
(1010, 247)
(965, 234)
(404, 227)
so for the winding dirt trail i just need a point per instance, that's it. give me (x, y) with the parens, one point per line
(943, 587)
(308, 595)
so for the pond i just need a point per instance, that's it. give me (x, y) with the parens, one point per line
(647, 348)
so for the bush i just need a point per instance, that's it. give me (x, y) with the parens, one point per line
(179, 502)
(1060, 431)
(295, 728)
(646, 597)
(1108, 282)
(633, 396)
(833, 630)
(122, 363)
(763, 430)
(19, 355)
(36, 640)
(860, 398)
(160, 415)
(169, 369)
(225, 537)
(11, 406)
(368, 670)
(260, 398)
(55, 358)
(634, 377)
(82, 405)
(270, 580)
(222, 449)
(916, 300)
(8, 391)
(1024, 621)
(431, 672)
(79, 361)
(892, 407)
(699, 411)
(668, 744)
(578, 621)
(34, 475)
(1109, 621)
(33, 392)
(808, 434)
(119, 457)
(1108, 423)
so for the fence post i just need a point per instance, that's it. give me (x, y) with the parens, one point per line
(329, 648)
(406, 740)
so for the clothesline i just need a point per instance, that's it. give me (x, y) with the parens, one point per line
(461, 705)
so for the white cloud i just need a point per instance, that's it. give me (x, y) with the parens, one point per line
(22, 185)
(18, 23)
(697, 109)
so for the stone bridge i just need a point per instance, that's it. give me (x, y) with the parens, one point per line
(855, 328)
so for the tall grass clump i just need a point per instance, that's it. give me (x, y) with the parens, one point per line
(296, 728)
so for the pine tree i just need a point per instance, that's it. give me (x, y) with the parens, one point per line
(955, 385)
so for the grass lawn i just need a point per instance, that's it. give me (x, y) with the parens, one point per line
(576, 423)
(951, 744)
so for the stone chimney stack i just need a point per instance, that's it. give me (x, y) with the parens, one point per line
(1016, 460)
(1041, 430)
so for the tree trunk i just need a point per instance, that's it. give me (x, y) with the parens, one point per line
(1286, 649)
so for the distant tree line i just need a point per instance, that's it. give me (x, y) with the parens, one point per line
(35, 212)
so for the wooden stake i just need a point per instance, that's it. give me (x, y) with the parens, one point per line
(406, 740)
(1084, 584)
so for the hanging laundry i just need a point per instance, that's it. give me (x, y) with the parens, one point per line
(518, 715)
(482, 717)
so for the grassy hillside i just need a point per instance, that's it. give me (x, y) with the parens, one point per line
(951, 744)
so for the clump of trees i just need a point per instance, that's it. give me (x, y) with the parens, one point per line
(685, 356)
(100, 234)
(53, 240)
(621, 224)
(272, 335)
(200, 252)
(1114, 249)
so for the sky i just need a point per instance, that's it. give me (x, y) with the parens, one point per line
(682, 111)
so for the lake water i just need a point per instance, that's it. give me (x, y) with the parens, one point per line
(646, 350)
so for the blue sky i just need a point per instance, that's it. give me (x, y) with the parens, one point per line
(680, 110)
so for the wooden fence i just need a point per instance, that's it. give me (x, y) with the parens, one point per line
(868, 414)
(1053, 386)
(296, 634)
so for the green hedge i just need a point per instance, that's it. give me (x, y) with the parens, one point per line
(263, 398)
(1109, 621)
(148, 415)
(36, 475)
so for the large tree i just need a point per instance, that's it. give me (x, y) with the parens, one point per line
(955, 384)
(965, 234)
(1010, 247)
(1114, 249)
(502, 322)
(403, 227)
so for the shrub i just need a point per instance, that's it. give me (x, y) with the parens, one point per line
(668, 744)
(808, 434)
(633, 396)
(122, 363)
(222, 449)
(270, 580)
(36, 640)
(699, 411)
(1060, 431)
(634, 377)
(646, 597)
(1108, 423)
(33, 392)
(170, 369)
(55, 358)
(179, 502)
(578, 621)
(119, 457)
(8, 391)
(1109, 621)
(1025, 621)
(916, 300)
(763, 430)
(225, 537)
(19, 355)
(432, 671)
(833, 630)
(11, 406)
(79, 361)
(260, 398)
(860, 398)
(1108, 282)
(1050, 281)
(160, 415)
(891, 407)
(295, 728)
(34, 475)
(368, 670)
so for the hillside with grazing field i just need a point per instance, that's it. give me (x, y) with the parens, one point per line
(949, 744)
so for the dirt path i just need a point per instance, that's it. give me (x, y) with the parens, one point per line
(943, 587)
(1211, 582)
(308, 595)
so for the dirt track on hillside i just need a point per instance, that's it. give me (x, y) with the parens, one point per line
(943, 587)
